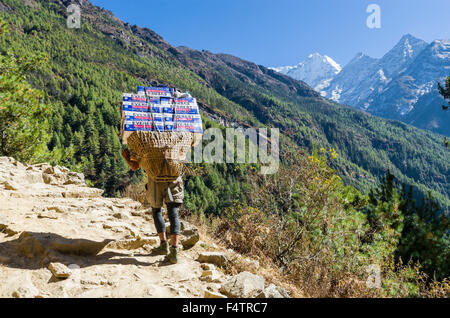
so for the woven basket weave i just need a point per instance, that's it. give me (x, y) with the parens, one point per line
(161, 154)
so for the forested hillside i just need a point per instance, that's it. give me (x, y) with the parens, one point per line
(89, 68)
(368, 145)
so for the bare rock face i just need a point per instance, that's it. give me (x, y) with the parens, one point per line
(26, 291)
(4, 228)
(76, 192)
(243, 285)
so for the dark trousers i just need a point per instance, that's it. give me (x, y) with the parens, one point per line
(172, 211)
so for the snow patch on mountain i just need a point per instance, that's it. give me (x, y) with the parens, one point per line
(282, 69)
(407, 49)
(441, 49)
(317, 71)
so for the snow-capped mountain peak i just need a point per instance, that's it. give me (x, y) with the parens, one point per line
(400, 85)
(317, 70)
(403, 53)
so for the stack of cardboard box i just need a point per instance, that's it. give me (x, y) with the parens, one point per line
(159, 109)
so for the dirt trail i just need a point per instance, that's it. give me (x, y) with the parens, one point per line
(47, 214)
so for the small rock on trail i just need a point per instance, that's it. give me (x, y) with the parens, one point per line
(59, 270)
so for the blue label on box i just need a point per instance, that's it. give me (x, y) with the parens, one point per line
(157, 109)
(185, 101)
(158, 91)
(189, 128)
(168, 110)
(166, 100)
(137, 116)
(157, 118)
(134, 98)
(142, 126)
(168, 118)
(188, 119)
(135, 107)
(187, 110)
(138, 126)
(159, 127)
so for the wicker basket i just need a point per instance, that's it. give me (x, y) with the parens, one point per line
(161, 154)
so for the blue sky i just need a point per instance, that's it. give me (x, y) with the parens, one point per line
(284, 32)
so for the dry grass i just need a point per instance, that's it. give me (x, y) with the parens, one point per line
(240, 263)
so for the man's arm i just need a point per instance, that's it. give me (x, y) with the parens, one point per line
(134, 165)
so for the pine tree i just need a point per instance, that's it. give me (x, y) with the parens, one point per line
(425, 237)
(24, 127)
(384, 217)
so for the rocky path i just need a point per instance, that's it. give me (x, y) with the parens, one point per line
(60, 238)
(48, 215)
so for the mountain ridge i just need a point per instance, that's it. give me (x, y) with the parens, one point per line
(400, 85)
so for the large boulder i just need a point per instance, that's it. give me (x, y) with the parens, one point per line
(217, 258)
(243, 285)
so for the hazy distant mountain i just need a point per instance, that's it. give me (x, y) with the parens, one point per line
(317, 71)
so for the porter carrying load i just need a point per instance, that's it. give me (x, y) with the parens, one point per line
(159, 125)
